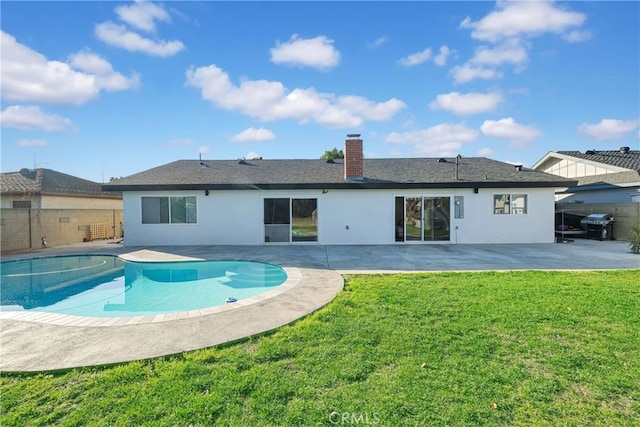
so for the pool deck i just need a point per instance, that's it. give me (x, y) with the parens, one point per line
(45, 342)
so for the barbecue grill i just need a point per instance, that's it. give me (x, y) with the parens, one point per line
(599, 226)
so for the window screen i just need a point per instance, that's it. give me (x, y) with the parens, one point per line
(510, 204)
(165, 210)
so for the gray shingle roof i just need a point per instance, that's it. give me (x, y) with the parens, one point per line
(610, 180)
(292, 174)
(629, 160)
(50, 182)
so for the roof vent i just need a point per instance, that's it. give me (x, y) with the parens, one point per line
(243, 162)
(330, 161)
(624, 149)
(24, 171)
(442, 160)
(518, 167)
(591, 152)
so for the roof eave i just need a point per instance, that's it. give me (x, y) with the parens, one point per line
(348, 185)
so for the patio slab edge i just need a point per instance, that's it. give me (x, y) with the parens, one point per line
(33, 346)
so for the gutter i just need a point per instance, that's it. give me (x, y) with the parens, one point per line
(349, 185)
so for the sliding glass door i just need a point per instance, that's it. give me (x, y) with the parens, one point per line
(422, 219)
(437, 214)
(304, 227)
(277, 220)
(413, 219)
(290, 220)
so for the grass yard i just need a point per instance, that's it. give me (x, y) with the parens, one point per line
(516, 348)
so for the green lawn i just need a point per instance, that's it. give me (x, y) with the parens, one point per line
(518, 348)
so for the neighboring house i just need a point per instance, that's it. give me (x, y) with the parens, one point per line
(603, 176)
(608, 181)
(43, 206)
(338, 202)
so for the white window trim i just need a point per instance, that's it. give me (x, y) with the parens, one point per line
(512, 210)
(169, 205)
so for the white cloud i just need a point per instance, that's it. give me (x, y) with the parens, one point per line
(487, 59)
(441, 58)
(203, 149)
(510, 130)
(523, 18)
(253, 135)
(507, 28)
(369, 110)
(485, 152)
(28, 76)
(577, 36)
(378, 42)
(510, 51)
(416, 58)
(142, 15)
(90, 63)
(119, 36)
(609, 128)
(468, 103)
(423, 56)
(270, 100)
(106, 77)
(441, 140)
(466, 73)
(31, 117)
(32, 143)
(252, 155)
(317, 52)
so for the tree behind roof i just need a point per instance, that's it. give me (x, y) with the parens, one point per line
(333, 154)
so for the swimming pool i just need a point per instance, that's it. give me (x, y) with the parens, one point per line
(107, 286)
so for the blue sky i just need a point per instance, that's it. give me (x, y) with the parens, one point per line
(108, 89)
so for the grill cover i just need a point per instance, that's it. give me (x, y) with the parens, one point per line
(597, 219)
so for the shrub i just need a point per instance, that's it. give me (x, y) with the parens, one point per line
(634, 243)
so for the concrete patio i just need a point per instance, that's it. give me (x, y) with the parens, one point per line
(51, 342)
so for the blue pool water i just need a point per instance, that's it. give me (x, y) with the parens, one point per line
(107, 286)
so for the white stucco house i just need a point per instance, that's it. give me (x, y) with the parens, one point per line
(338, 202)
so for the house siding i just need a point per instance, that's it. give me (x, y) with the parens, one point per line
(577, 168)
(537, 226)
(345, 217)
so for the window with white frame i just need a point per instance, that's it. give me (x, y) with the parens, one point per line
(510, 204)
(169, 210)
